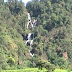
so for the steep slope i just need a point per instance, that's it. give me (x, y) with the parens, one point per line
(12, 48)
(53, 42)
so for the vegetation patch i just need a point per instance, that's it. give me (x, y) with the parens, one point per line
(25, 70)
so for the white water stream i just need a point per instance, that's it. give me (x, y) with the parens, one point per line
(30, 24)
(29, 36)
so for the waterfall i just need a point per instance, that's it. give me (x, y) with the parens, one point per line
(31, 54)
(27, 25)
(34, 23)
(29, 18)
(27, 42)
(30, 25)
(29, 36)
(31, 43)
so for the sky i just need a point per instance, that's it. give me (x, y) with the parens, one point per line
(25, 1)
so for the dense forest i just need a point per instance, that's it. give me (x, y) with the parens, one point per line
(52, 45)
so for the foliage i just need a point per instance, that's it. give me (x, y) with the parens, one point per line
(25, 70)
(12, 47)
(44, 64)
(54, 30)
(52, 35)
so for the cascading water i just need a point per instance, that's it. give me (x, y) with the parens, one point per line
(30, 25)
(30, 22)
(31, 42)
(30, 36)
(29, 17)
(34, 23)
(31, 53)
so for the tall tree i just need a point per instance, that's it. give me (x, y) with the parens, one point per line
(1, 1)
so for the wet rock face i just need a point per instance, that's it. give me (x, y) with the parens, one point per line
(24, 36)
(28, 43)
(32, 36)
(32, 51)
(29, 36)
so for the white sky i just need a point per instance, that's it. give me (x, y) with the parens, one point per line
(25, 1)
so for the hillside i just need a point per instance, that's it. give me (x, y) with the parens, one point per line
(12, 47)
(50, 44)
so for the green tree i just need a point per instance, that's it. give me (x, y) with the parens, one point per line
(1, 1)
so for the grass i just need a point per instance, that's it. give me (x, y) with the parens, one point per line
(60, 70)
(33, 70)
(25, 70)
